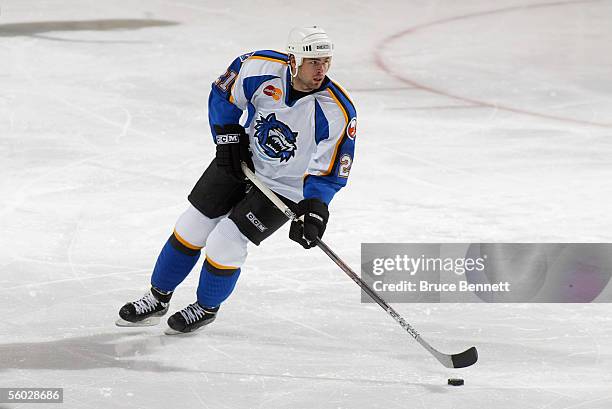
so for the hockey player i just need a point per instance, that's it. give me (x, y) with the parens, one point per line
(294, 127)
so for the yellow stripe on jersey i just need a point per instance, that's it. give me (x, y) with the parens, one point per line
(343, 91)
(219, 266)
(342, 108)
(185, 242)
(341, 138)
(259, 57)
(231, 97)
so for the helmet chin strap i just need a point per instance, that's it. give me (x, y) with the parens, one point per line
(293, 75)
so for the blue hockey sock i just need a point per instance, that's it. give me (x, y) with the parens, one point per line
(173, 264)
(216, 284)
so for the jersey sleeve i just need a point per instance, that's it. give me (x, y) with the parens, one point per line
(227, 101)
(335, 132)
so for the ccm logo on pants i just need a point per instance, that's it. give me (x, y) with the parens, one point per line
(255, 221)
(227, 139)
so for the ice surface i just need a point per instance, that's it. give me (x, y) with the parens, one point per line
(478, 121)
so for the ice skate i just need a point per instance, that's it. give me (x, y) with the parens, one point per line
(146, 311)
(190, 319)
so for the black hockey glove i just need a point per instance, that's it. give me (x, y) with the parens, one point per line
(233, 148)
(315, 220)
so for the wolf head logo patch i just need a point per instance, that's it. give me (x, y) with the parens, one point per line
(275, 138)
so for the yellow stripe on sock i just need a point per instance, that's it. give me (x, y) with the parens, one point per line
(219, 266)
(185, 242)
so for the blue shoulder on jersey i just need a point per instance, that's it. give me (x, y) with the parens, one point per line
(271, 54)
(324, 187)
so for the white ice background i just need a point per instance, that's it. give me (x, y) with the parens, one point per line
(478, 122)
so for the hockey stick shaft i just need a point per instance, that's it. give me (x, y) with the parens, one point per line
(353, 276)
(461, 360)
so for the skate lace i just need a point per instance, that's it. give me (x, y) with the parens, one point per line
(146, 304)
(192, 313)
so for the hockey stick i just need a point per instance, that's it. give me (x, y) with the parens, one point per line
(460, 360)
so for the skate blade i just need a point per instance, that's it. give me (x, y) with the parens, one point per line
(147, 322)
(170, 331)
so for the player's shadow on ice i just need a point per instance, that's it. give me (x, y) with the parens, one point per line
(112, 350)
(127, 350)
(40, 28)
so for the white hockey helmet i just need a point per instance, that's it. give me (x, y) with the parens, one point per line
(309, 42)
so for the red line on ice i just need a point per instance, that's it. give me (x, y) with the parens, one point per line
(380, 62)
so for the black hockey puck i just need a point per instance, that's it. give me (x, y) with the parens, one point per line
(455, 381)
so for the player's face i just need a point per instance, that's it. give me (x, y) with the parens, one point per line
(311, 73)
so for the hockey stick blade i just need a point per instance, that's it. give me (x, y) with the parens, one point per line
(460, 360)
(465, 358)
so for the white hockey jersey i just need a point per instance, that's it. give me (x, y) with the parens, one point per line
(301, 148)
